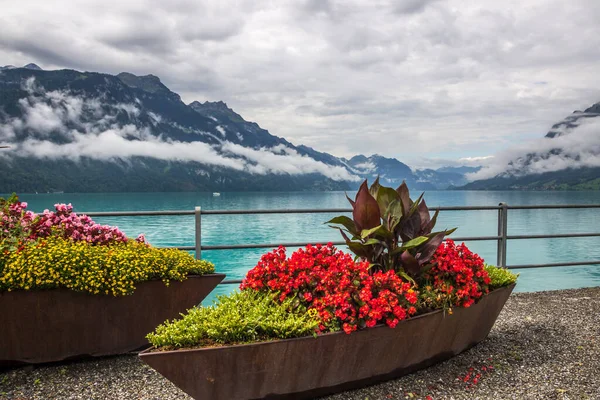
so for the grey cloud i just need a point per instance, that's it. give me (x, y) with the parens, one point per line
(365, 106)
(41, 53)
(410, 6)
(328, 9)
(446, 76)
(317, 6)
(216, 31)
(147, 36)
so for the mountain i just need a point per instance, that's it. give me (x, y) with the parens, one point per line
(28, 66)
(567, 179)
(440, 180)
(92, 132)
(391, 172)
(461, 170)
(573, 121)
(32, 66)
(74, 131)
(567, 158)
(445, 177)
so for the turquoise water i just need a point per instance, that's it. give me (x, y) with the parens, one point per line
(237, 229)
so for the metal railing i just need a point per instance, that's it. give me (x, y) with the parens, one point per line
(502, 238)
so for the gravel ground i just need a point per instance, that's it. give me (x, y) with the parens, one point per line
(545, 345)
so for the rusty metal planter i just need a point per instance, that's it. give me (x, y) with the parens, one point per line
(308, 367)
(54, 325)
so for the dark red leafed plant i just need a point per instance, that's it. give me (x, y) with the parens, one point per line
(389, 230)
(396, 253)
(344, 293)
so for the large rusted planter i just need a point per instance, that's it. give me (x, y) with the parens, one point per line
(55, 325)
(308, 367)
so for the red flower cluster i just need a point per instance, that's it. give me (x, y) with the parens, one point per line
(343, 293)
(458, 274)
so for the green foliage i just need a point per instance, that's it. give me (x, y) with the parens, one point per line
(115, 269)
(500, 277)
(390, 230)
(246, 316)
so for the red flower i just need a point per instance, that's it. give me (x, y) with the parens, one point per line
(344, 293)
(458, 274)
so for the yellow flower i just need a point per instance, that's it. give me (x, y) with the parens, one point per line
(81, 266)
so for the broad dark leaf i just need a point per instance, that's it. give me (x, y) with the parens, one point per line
(446, 232)
(366, 210)
(409, 263)
(375, 187)
(404, 198)
(424, 213)
(346, 238)
(385, 196)
(358, 249)
(427, 230)
(346, 222)
(350, 200)
(418, 241)
(406, 276)
(410, 227)
(414, 207)
(378, 231)
(372, 241)
(450, 231)
(428, 249)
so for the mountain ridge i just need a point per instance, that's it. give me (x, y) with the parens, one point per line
(95, 127)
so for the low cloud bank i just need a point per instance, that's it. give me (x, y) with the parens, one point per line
(576, 147)
(88, 127)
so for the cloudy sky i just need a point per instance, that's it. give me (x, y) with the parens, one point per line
(420, 80)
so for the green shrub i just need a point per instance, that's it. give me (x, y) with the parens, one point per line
(246, 316)
(500, 277)
(115, 269)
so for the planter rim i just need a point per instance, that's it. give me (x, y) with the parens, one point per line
(151, 351)
(193, 276)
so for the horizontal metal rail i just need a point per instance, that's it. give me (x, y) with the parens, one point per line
(333, 210)
(560, 235)
(501, 238)
(340, 243)
(301, 244)
(136, 213)
(551, 206)
(261, 211)
(321, 210)
(559, 264)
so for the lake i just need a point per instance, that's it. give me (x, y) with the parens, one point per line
(309, 228)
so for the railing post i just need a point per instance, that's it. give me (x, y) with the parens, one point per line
(198, 218)
(502, 232)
